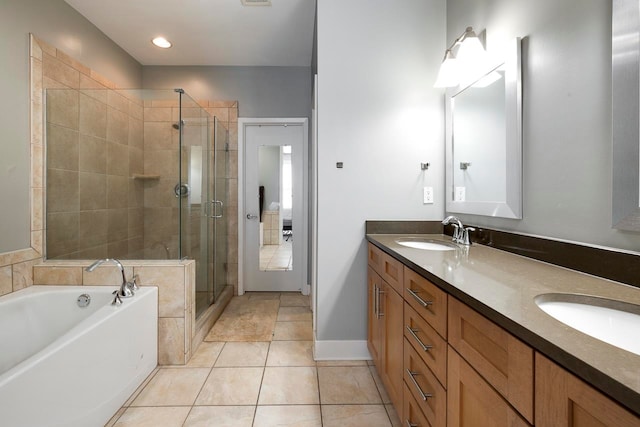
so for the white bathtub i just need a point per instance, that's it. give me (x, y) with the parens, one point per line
(62, 365)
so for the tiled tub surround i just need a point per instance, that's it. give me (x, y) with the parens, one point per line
(503, 286)
(176, 297)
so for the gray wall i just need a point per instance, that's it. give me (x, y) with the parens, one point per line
(379, 114)
(566, 113)
(260, 91)
(61, 26)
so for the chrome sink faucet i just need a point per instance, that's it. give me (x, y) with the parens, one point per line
(460, 232)
(126, 288)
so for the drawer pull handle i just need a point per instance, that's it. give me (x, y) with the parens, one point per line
(424, 395)
(413, 334)
(415, 295)
(410, 424)
(378, 293)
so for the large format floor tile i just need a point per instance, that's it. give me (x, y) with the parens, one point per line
(347, 385)
(237, 354)
(257, 370)
(231, 386)
(291, 353)
(288, 416)
(354, 416)
(173, 387)
(153, 417)
(220, 416)
(289, 386)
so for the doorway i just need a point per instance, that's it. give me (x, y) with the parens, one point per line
(273, 205)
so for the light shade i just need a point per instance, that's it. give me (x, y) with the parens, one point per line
(448, 74)
(470, 47)
(463, 68)
(161, 42)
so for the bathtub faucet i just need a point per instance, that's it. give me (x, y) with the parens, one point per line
(126, 288)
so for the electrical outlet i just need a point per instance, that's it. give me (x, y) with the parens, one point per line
(428, 195)
(460, 194)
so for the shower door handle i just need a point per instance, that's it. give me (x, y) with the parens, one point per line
(249, 216)
(213, 207)
(182, 190)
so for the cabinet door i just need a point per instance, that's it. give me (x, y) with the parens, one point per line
(503, 361)
(391, 312)
(563, 400)
(374, 330)
(473, 402)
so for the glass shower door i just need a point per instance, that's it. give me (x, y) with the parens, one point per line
(193, 191)
(220, 188)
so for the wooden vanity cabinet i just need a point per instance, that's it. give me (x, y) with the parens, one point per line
(563, 400)
(472, 401)
(505, 362)
(385, 337)
(443, 363)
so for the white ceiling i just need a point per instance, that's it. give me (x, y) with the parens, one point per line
(207, 32)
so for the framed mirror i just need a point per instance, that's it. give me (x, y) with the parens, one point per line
(484, 141)
(625, 77)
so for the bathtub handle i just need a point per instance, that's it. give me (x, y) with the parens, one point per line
(134, 283)
(116, 298)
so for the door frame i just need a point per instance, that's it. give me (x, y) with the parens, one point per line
(304, 230)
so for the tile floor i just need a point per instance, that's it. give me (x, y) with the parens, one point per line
(262, 383)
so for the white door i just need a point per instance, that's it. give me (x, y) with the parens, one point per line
(274, 245)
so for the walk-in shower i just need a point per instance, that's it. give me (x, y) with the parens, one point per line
(137, 174)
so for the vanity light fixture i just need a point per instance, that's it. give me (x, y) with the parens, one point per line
(161, 42)
(469, 52)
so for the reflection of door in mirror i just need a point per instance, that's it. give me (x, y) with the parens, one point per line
(275, 178)
(479, 141)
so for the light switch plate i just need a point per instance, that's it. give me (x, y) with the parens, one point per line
(428, 195)
(460, 194)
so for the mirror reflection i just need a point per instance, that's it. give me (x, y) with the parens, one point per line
(276, 201)
(479, 141)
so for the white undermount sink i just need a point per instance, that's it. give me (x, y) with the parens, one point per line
(426, 244)
(611, 321)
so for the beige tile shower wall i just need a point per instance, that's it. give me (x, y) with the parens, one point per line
(161, 166)
(94, 149)
(176, 313)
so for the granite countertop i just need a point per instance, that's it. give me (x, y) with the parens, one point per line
(502, 286)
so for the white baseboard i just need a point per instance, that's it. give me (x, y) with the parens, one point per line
(341, 350)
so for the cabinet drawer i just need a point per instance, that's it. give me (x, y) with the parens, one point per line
(501, 359)
(375, 258)
(425, 388)
(387, 267)
(426, 342)
(412, 414)
(427, 299)
(473, 402)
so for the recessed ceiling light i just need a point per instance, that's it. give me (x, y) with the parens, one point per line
(161, 42)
